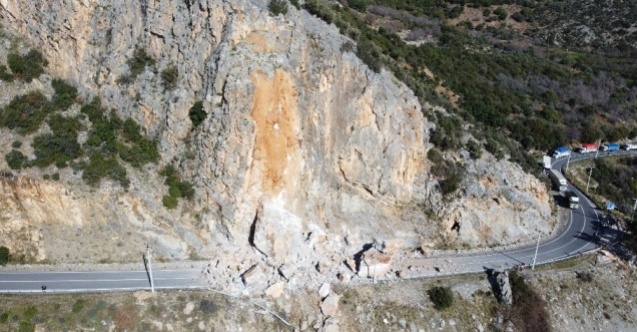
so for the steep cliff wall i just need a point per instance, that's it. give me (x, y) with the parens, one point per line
(293, 121)
(302, 145)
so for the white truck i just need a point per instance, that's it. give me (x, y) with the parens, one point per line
(629, 146)
(573, 200)
(559, 180)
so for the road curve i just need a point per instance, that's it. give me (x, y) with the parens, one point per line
(580, 235)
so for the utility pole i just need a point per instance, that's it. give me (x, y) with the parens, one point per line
(589, 179)
(598, 146)
(536, 248)
(150, 269)
(567, 162)
(634, 208)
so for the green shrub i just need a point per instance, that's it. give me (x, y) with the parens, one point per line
(16, 144)
(277, 7)
(169, 172)
(186, 190)
(359, 5)
(170, 202)
(136, 65)
(46, 176)
(55, 176)
(435, 156)
(4, 317)
(451, 183)
(78, 305)
(5, 75)
(474, 149)
(296, 4)
(5, 256)
(501, 13)
(441, 297)
(141, 153)
(169, 77)
(65, 94)
(26, 112)
(197, 114)
(494, 148)
(100, 167)
(49, 149)
(176, 187)
(130, 131)
(94, 110)
(62, 126)
(28, 66)
(15, 159)
(369, 54)
(173, 191)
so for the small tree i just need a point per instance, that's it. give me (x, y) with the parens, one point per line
(169, 77)
(442, 297)
(4, 255)
(277, 7)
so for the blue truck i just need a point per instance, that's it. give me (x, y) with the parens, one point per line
(562, 151)
(610, 147)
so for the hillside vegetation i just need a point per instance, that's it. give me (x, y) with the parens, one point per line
(528, 75)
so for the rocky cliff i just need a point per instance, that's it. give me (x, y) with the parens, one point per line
(305, 154)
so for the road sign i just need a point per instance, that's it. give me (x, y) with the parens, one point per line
(610, 206)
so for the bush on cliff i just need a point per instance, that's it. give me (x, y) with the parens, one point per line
(277, 7)
(15, 159)
(28, 66)
(197, 114)
(26, 112)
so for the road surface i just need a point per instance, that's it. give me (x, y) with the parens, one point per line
(95, 281)
(581, 235)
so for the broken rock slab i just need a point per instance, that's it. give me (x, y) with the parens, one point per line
(329, 306)
(277, 233)
(324, 290)
(330, 325)
(376, 261)
(275, 290)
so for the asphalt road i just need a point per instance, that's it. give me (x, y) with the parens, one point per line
(581, 235)
(95, 281)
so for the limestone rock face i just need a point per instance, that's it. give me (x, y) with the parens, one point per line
(500, 204)
(305, 154)
(294, 124)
